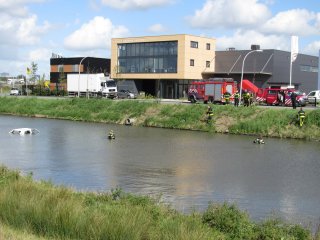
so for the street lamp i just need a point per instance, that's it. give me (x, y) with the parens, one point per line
(79, 76)
(258, 50)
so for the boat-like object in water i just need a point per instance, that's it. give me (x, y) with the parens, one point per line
(24, 131)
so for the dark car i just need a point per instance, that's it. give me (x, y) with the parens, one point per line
(126, 94)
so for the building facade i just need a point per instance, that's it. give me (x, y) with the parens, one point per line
(269, 68)
(60, 67)
(162, 66)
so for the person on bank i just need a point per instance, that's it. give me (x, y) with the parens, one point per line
(293, 97)
(301, 115)
(209, 114)
(236, 99)
(246, 99)
(227, 96)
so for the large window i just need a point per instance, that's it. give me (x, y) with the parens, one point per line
(151, 57)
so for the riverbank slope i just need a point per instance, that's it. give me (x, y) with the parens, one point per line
(39, 210)
(268, 122)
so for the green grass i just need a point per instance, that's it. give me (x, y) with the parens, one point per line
(272, 122)
(39, 210)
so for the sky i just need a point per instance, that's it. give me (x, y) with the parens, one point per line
(31, 30)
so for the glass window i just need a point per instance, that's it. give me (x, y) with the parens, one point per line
(60, 68)
(207, 64)
(191, 62)
(193, 44)
(148, 57)
(208, 46)
(75, 68)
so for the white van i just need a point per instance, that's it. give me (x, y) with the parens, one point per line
(313, 95)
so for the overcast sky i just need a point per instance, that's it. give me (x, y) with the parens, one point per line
(31, 30)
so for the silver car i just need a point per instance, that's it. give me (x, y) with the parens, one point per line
(313, 96)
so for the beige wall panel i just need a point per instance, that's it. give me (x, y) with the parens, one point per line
(185, 53)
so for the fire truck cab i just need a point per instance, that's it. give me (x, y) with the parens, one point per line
(212, 90)
(282, 97)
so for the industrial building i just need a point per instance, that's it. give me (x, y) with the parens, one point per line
(60, 67)
(267, 68)
(162, 66)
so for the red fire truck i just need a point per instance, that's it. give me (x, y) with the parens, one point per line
(212, 90)
(274, 96)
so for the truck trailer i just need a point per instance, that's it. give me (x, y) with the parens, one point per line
(93, 85)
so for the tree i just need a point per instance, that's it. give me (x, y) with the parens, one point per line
(34, 69)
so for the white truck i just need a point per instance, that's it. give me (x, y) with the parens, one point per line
(91, 85)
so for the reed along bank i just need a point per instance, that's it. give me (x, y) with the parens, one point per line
(253, 120)
(31, 210)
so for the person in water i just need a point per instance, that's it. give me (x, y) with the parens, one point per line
(259, 140)
(111, 135)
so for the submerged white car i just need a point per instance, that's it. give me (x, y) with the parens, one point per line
(14, 91)
(24, 131)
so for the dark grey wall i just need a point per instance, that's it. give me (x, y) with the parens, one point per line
(270, 67)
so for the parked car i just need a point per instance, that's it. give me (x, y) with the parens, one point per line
(313, 96)
(301, 98)
(126, 94)
(14, 91)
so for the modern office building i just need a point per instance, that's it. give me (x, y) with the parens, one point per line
(162, 66)
(60, 67)
(269, 68)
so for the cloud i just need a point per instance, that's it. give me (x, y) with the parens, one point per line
(135, 4)
(157, 28)
(19, 30)
(40, 54)
(313, 48)
(292, 22)
(16, 7)
(230, 14)
(95, 34)
(244, 39)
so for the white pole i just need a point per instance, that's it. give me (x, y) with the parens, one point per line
(79, 76)
(258, 50)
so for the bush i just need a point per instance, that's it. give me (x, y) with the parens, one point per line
(228, 219)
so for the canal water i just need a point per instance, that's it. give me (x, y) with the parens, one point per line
(184, 168)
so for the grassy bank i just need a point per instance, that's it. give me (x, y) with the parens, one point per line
(39, 210)
(271, 122)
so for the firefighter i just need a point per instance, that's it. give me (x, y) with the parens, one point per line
(293, 99)
(226, 96)
(236, 99)
(250, 98)
(301, 116)
(111, 135)
(209, 114)
(246, 98)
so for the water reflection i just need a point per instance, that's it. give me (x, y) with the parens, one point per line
(188, 169)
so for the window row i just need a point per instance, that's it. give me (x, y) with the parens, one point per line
(306, 68)
(207, 63)
(194, 44)
(147, 65)
(148, 49)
